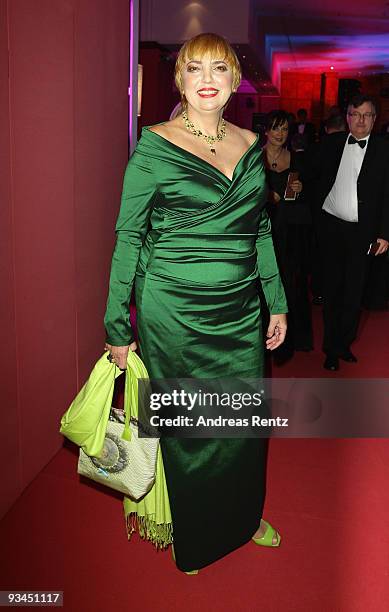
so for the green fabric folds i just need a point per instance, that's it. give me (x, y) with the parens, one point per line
(85, 421)
(151, 515)
(195, 246)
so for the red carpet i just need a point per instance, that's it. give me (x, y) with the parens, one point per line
(329, 499)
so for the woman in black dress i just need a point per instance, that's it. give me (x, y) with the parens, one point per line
(291, 223)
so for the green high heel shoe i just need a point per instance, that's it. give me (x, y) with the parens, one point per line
(192, 573)
(267, 538)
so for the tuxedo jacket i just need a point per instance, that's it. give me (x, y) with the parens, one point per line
(309, 132)
(372, 183)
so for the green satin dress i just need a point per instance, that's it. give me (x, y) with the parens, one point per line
(195, 244)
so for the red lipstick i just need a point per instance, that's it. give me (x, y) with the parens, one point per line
(208, 92)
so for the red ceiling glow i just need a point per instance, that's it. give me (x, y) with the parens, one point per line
(347, 54)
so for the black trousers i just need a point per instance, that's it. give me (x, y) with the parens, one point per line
(316, 256)
(376, 293)
(344, 269)
(292, 245)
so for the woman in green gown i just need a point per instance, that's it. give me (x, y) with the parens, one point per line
(193, 237)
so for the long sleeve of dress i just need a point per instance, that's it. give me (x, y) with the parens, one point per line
(139, 190)
(268, 268)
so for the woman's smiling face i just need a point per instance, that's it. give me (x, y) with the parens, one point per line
(207, 83)
(277, 136)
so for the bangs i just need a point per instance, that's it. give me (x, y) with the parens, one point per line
(207, 45)
(276, 119)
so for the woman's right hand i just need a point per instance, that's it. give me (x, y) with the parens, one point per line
(120, 353)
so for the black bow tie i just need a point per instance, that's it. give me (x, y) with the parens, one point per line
(352, 140)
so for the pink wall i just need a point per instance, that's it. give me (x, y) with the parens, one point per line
(9, 453)
(66, 114)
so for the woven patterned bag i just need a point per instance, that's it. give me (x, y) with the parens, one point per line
(127, 462)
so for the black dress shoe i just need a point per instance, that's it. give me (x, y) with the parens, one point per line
(348, 356)
(318, 300)
(331, 363)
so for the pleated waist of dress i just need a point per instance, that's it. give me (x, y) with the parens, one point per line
(207, 259)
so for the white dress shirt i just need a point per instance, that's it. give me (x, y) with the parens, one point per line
(342, 201)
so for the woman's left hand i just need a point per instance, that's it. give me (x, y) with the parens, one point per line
(276, 331)
(296, 186)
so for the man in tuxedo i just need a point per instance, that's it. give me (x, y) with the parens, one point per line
(352, 190)
(303, 127)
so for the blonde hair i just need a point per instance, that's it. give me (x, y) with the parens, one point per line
(212, 45)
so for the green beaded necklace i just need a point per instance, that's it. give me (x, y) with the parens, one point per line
(210, 140)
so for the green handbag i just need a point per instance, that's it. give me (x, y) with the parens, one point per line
(112, 452)
(127, 461)
(85, 424)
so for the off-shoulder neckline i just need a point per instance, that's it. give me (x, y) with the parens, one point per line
(183, 151)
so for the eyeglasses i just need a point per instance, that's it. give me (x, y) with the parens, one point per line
(359, 116)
